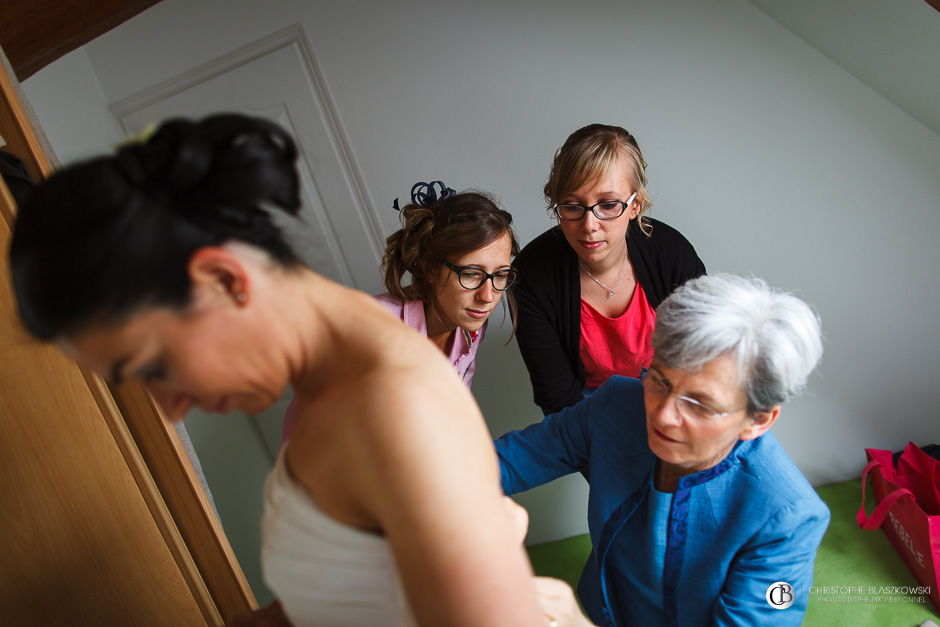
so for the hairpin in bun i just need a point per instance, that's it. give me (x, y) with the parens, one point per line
(425, 194)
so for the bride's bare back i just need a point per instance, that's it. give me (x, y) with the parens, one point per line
(395, 444)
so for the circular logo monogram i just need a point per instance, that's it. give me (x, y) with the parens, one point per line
(780, 595)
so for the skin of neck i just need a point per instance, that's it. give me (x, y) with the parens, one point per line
(307, 322)
(439, 331)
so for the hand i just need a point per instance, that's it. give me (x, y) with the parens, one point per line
(270, 616)
(557, 601)
(519, 518)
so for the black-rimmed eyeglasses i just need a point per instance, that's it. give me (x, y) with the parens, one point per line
(473, 278)
(607, 210)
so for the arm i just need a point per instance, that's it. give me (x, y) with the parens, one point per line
(784, 550)
(555, 384)
(557, 446)
(425, 471)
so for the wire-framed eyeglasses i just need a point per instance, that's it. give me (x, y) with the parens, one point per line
(688, 407)
(607, 210)
(473, 278)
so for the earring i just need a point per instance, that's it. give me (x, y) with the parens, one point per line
(241, 297)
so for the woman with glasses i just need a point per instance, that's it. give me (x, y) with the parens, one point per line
(457, 249)
(163, 264)
(588, 287)
(697, 515)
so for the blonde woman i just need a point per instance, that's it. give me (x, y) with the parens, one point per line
(589, 287)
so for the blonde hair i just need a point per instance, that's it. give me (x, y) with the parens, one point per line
(587, 155)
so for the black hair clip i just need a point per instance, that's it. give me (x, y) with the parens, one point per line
(426, 193)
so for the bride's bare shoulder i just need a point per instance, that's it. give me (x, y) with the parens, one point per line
(416, 389)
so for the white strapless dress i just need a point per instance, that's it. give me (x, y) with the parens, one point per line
(325, 573)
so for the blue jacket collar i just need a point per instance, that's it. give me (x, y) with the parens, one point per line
(741, 447)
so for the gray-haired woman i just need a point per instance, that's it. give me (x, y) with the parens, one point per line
(697, 515)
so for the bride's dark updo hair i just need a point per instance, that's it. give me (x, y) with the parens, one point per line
(102, 239)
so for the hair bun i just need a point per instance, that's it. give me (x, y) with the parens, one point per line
(174, 158)
(131, 163)
(226, 160)
(259, 168)
(179, 156)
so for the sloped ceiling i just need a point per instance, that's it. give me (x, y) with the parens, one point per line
(893, 46)
(34, 33)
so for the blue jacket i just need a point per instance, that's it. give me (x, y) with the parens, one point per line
(734, 529)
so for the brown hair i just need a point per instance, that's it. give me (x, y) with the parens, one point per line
(437, 231)
(588, 154)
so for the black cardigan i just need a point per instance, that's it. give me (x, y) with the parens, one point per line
(548, 296)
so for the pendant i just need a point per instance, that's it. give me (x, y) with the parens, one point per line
(611, 293)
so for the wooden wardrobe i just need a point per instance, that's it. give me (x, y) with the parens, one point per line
(102, 520)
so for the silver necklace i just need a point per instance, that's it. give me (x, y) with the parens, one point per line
(610, 290)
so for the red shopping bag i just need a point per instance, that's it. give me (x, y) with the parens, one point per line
(914, 534)
(920, 473)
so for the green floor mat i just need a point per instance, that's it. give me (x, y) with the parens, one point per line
(848, 558)
(562, 559)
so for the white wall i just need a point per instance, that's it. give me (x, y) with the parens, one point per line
(769, 157)
(68, 100)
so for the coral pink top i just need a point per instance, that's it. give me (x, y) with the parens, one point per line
(621, 345)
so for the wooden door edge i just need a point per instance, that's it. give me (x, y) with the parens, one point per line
(21, 130)
(181, 488)
(6, 207)
(153, 498)
(205, 511)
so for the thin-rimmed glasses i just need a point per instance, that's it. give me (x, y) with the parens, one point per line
(687, 406)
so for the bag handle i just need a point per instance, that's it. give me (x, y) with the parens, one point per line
(870, 523)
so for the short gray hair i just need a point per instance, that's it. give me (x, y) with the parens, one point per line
(774, 336)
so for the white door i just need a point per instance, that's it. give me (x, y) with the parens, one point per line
(337, 233)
